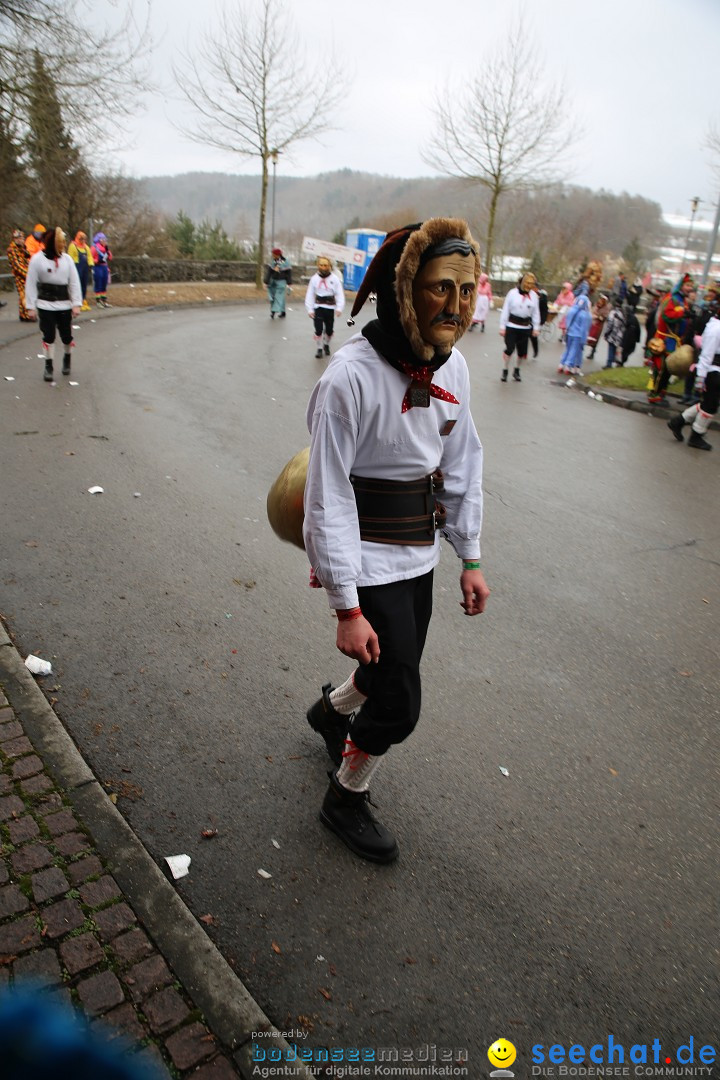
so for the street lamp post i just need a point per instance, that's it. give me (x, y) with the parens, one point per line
(274, 154)
(693, 206)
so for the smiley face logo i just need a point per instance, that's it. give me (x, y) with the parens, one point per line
(502, 1054)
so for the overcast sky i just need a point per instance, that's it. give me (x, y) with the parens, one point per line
(641, 78)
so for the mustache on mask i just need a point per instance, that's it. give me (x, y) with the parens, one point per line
(446, 317)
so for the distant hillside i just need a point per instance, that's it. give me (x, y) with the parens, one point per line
(315, 206)
(557, 227)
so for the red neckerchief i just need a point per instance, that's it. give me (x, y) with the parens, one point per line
(422, 380)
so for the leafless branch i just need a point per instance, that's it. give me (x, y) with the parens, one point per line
(507, 133)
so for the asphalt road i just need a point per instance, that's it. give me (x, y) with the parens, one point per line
(572, 899)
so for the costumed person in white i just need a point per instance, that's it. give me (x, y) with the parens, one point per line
(519, 318)
(372, 520)
(708, 374)
(324, 299)
(53, 295)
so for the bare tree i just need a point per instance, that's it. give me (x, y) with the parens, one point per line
(99, 75)
(506, 133)
(253, 94)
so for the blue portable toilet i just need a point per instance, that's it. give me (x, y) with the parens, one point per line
(367, 240)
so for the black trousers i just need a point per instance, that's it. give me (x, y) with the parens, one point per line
(50, 321)
(399, 613)
(711, 395)
(324, 320)
(516, 339)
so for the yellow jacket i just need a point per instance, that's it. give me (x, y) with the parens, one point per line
(75, 250)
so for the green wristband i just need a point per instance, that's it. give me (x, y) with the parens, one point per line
(471, 564)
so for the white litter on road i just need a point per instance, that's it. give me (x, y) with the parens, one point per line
(9, 378)
(275, 844)
(264, 874)
(96, 490)
(178, 865)
(503, 770)
(37, 666)
(137, 494)
(73, 384)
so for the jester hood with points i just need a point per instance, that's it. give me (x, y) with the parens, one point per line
(394, 333)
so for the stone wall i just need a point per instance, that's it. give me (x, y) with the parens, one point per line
(128, 270)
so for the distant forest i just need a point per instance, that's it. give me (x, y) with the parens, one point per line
(556, 228)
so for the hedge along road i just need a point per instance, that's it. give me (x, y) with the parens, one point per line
(572, 898)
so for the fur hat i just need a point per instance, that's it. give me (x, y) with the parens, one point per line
(394, 268)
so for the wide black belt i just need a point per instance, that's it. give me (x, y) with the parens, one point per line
(522, 320)
(399, 512)
(328, 301)
(52, 292)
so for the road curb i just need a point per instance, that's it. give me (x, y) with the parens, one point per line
(228, 1007)
(664, 412)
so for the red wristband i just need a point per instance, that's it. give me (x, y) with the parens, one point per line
(348, 614)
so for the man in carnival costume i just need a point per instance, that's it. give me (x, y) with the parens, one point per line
(674, 314)
(54, 296)
(708, 374)
(324, 299)
(386, 437)
(519, 319)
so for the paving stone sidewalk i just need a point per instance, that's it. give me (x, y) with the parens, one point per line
(87, 915)
(65, 925)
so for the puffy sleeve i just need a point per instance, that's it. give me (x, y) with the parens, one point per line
(331, 530)
(339, 295)
(505, 312)
(310, 296)
(462, 467)
(74, 289)
(31, 288)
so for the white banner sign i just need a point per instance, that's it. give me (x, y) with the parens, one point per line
(339, 252)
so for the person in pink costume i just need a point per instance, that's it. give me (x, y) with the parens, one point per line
(564, 301)
(482, 304)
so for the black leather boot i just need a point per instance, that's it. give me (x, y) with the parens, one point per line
(66, 364)
(48, 375)
(698, 442)
(676, 425)
(503, 377)
(318, 354)
(346, 813)
(329, 723)
(326, 350)
(516, 374)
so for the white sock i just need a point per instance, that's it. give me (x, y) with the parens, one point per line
(346, 699)
(357, 767)
(702, 421)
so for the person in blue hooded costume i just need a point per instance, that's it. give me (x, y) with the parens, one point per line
(577, 328)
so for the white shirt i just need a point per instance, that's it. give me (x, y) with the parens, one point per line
(324, 287)
(710, 348)
(60, 271)
(523, 304)
(358, 426)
